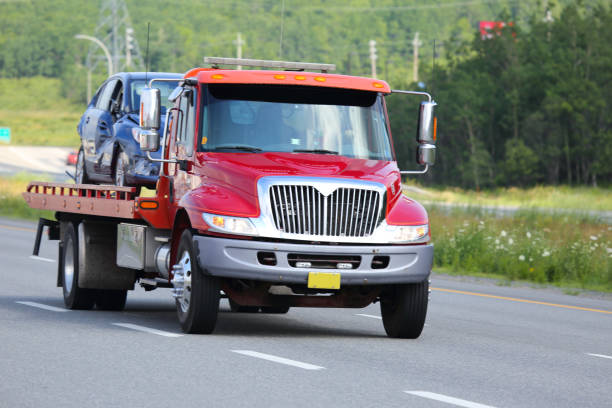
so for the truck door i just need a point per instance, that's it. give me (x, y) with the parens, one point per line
(183, 143)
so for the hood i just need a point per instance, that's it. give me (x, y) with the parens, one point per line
(237, 174)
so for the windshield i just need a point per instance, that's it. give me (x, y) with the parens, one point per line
(278, 118)
(165, 89)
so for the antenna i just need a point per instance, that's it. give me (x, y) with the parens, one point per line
(147, 53)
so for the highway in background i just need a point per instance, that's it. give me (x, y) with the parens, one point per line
(47, 161)
(484, 345)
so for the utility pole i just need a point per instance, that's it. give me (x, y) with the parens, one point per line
(239, 43)
(114, 29)
(415, 53)
(548, 19)
(373, 57)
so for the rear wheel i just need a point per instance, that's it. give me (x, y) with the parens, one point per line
(109, 299)
(197, 295)
(404, 308)
(74, 297)
(80, 171)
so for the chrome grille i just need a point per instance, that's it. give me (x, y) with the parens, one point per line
(347, 212)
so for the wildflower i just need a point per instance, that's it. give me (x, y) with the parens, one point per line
(503, 233)
(528, 234)
(546, 253)
(609, 250)
(530, 259)
(465, 224)
(593, 238)
(481, 222)
(461, 230)
(521, 258)
(497, 241)
(510, 241)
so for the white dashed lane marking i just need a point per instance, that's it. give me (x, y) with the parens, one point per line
(42, 306)
(279, 360)
(147, 330)
(449, 400)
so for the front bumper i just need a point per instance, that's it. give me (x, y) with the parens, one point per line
(235, 258)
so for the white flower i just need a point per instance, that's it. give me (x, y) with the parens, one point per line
(530, 259)
(466, 224)
(545, 253)
(593, 238)
(521, 258)
(461, 230)
(481, 222)
(497, 241)
(510, 241)
(609, 250)
(503, 233)
(528, 234)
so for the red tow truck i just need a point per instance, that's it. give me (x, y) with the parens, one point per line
(279, 188)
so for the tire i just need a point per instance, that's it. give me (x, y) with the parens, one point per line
(74, 297)
(121, 162)
(197, 295)
(404, 308)
(109, 299)
(275, 309)
(80, 170)
(236, 308)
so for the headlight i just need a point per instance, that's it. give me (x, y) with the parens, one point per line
(232, 225)
(407, 233)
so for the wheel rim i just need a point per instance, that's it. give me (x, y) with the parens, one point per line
(79, 168)
(68, 265)
(119, 173)
(182, 282)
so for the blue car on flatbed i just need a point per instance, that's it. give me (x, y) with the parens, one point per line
(110, 149)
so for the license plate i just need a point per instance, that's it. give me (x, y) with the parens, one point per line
(323, 280)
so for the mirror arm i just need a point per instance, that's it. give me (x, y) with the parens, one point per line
(161, 160)
(412, 93)
(164, 143)
(416, 171)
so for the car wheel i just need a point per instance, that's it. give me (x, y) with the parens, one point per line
(404, 308)
(80, 171)
(74, 297)
(197, 295)
(109, 299)
(120, 168)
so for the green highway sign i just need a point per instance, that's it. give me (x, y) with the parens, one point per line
(5, 134)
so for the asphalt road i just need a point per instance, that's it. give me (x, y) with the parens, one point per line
(483, 344)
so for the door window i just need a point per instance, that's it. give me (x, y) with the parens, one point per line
(186, 131)
(104, 99)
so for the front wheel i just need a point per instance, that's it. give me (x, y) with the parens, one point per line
(74, 297)
(404, 308)
(80, 171)
(197, 295)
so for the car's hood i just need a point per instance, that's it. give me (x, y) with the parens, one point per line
(233, 177)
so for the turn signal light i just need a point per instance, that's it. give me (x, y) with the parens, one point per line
(300, 77)
(149, 205)
(435, 128)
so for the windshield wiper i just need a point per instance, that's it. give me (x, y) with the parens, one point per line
(316, 151)
(239, 147)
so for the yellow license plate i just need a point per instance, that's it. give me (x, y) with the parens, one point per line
(323, 280)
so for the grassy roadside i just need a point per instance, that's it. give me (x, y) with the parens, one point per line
(37, 113)
(12, 204)
(556, 197)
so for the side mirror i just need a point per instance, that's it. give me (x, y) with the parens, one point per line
(149, 140)
(426, 132)
(150, 109)
(426, 154)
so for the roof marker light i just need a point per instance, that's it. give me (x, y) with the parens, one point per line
(278, 76)
(217, 76)
(378, 85)
(320, 79)
(300, 77)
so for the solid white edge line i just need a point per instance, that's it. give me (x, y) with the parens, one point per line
(449, 400)
(599, 355)
(42, 306)
(367, 315)
(147, 330)
(279, 360)
(40, 258)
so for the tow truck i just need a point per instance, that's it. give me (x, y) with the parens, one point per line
(278, 188)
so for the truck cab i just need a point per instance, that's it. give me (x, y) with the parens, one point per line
(283, 190)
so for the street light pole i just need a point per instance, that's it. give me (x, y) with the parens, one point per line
(108, 58)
